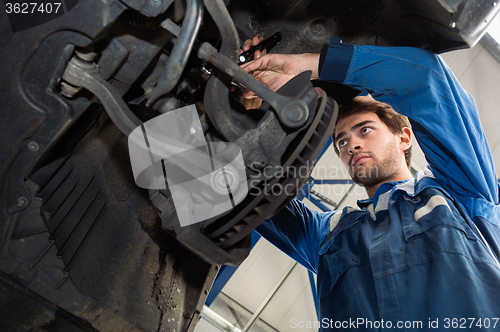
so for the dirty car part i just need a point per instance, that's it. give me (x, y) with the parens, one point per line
(292, 112)
(178, 59)
(84, 74)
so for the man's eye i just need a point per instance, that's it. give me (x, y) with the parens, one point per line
(366, 130)
(342, 143)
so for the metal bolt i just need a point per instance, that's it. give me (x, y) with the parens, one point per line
(494, 4)
(261, 161)
(33, 146)
(205, 71)
(155, 3)
(24, 276)
(22, 201)
(318, 28)
(68, 90)
(294, 114)
(89, 57)
(453, 24)
(206, 291)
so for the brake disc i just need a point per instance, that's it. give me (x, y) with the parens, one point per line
(269, 196)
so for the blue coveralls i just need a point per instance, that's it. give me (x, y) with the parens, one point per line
(423, 250)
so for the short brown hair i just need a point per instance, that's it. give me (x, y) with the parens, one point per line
(393, 120)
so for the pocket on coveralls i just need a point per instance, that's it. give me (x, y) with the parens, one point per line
(431, 213)
(342, 252)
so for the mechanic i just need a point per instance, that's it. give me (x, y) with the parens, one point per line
(418, 249)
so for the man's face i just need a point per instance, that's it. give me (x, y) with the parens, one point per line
(368, 149)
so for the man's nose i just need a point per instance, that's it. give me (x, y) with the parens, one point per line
(353, 147)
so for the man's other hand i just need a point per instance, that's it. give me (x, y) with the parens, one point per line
(254, 42)
(251, 100)
(274, 70)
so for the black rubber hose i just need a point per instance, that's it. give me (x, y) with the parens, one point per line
(180, 53)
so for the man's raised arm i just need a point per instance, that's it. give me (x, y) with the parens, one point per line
(416, 83)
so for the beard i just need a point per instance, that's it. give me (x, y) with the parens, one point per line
(379, 171)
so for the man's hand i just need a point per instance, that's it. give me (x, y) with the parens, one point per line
(254, 42)
(251, 100)
(274, 70)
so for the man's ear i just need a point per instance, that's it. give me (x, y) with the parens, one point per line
(405, 138)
